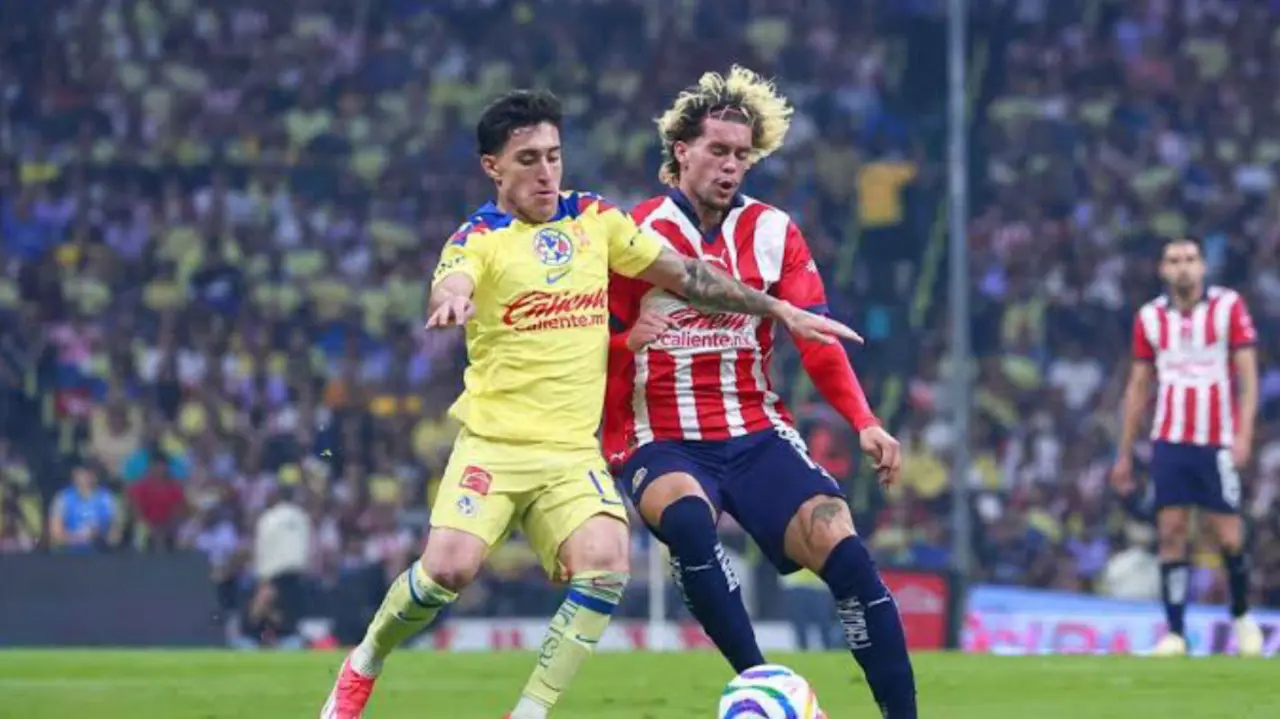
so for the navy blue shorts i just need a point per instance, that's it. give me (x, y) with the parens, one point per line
(760, 479)
(1188, 475)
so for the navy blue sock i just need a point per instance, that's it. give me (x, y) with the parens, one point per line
(872, 627)
(1238, 578)
(1174, 578)
(709, 585)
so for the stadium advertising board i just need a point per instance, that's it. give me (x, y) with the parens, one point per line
(495, 635)
(97, 600)
(924, 601)
(1007, 620)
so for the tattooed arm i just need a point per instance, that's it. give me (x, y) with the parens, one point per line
(713, 291)
(707, 289)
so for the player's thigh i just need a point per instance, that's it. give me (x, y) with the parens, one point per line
(1174, 477)
(776, 490)
(578, 493)
(661, 473)
(479, 495)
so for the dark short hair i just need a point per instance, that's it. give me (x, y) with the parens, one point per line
(1181, 240)
(515, 110)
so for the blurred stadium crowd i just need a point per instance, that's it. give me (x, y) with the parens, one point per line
(216, 220)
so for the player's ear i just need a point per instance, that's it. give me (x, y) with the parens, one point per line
(680, 150)
(489, 163)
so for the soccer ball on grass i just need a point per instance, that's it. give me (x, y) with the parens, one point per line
(769, 691)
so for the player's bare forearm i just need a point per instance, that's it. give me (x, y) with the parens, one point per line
(1136, 395)
(707, 289)
(1246, 369)
(454, 286)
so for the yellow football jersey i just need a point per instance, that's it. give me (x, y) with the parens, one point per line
(537, 346)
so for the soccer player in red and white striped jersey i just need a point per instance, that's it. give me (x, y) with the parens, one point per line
(1197, 342)
(691, 414)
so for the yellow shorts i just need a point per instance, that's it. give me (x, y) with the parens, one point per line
(492, 487)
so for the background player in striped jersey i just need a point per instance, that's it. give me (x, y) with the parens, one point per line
(693, 413)
(1197, 342)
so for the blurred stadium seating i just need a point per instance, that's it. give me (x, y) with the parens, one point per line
(217, 218)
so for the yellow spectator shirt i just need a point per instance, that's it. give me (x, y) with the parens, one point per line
(880, 201)
(537, 344)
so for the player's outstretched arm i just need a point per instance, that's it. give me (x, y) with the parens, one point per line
(450, 301)
(713, 291)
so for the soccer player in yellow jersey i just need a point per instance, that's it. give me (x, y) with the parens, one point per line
(527, 277)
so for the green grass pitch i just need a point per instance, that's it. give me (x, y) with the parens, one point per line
(419, 685)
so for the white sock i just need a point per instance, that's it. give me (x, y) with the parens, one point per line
(529, 709)
(364, 662)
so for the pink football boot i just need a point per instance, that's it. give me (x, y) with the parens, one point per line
(350, 693)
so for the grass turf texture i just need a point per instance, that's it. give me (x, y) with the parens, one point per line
(418, 685)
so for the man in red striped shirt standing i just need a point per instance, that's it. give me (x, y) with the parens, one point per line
(692, 419)
(1197, 342)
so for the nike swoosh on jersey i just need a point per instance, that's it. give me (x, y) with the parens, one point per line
(554, 277)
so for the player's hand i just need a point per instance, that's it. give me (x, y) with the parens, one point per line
(453, 312)
(1241, 453)
(884, 451)
(809, 326)
(1122, 476)
(651, 325)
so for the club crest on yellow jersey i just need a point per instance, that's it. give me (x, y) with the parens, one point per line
(553, 246)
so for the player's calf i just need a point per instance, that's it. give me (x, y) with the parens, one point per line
(707, 582)
(596, 560)
(1175, 571)
(675, 505)
(1229, 530)
(823, 536)
(451, 560)
(449, 563)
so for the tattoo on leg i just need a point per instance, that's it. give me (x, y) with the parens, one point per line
(827, 513)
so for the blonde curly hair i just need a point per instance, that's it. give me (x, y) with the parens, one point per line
(742, 94)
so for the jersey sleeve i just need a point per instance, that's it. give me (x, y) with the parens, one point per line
(625, 294)
(631, 250)
(1143, 351)
(1243, 333)
(461, 255)
(799, 282)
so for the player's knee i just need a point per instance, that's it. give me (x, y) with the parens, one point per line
(452, 575)
(688, 524)
(452, 559)
(602, 544)
(1172, 539)
(665, 491)
(1229, 532)
(1173, 544)
(823, 523)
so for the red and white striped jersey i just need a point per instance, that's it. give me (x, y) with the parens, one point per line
(707, 378)
(1196, 402)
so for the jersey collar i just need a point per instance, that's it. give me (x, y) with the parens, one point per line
(496, 219)
(1172, 303)
(686, 206)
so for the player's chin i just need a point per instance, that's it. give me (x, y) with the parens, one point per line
(545, 202)
(721, 200)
